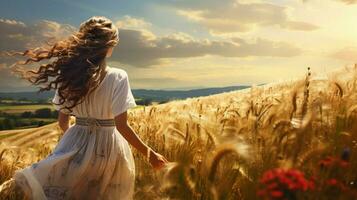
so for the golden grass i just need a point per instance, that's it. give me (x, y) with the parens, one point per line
(221, 145)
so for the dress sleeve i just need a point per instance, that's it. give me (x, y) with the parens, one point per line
(55, 100)
(122, 98)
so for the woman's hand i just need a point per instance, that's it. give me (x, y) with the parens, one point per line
(157, 161)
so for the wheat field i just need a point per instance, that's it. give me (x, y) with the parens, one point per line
(291, 140)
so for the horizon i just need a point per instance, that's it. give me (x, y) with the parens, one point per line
(168, 45)
(164, 89)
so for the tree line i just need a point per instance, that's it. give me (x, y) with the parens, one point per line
(28, 118)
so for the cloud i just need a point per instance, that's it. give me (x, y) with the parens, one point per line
(16, 35)
(230, 16)
(128, 22)
(296, 25)
(12, 35)
(142, 48)
(347, 53)
(9, 82)
(348, 1)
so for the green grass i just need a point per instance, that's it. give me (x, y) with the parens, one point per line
(28, 120)
(22, 123)
(23, 108)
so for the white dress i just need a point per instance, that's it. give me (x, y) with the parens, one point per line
(87, 163)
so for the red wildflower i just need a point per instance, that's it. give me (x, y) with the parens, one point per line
(333, 162)
(276, 194)
(336, 184)
(283, 183)
(331, 182)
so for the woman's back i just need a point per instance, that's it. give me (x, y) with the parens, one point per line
(112, 97)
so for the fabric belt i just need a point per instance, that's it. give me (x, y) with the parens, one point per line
(94, 123)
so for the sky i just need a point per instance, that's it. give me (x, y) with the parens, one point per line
(183, 44)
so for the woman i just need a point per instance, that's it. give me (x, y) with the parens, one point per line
(93, 159)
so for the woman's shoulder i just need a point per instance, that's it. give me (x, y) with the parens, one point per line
(117, 72)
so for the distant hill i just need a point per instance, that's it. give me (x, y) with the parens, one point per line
(32, 96)
(165, 95)
(153, 95)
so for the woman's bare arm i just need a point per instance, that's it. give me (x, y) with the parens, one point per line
(63, 121)
(128, 133)
(156, 159)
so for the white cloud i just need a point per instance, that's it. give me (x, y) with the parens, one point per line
(139, 50)
(128, 22)
(15, 35)
(142, 48)
(230, 16)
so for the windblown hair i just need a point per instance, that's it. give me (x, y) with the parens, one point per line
(77, 62)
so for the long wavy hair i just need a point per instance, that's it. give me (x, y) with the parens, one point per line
(77, 62)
